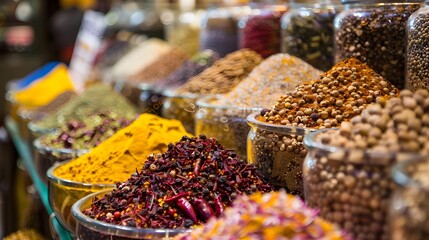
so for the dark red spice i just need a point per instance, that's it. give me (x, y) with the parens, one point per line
(192, 181)
(261, 33)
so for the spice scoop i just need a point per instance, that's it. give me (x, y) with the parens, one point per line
(194, 180)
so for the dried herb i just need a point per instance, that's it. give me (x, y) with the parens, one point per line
(195, 179)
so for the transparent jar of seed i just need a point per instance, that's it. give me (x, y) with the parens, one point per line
(278, 152)
(409, 208)
(374, 32)
(307, 31)
(219, 28)
(182, 26)
(260, 30)
(350, 187)
(225, 123)
(417, 70)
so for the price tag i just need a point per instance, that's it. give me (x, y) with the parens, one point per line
(87, 45)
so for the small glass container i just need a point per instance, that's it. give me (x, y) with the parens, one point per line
(143, 95)
(219, 29)
(260, 31)
(225, 123)
(90, 229)
(308, 31)
(181, 107)
(278, 152)
(417, 49)
(45, 157)
(36, 131)
(409, 208)
(64, 193)
(352, 188)
(374, 32)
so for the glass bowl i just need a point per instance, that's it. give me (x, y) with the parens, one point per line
(143, 95)
(350, 187)
(64, 193)
(409, 208)
(181, 107)
(36, 131)
(45, 156)
(278, 152)
(90, 229)
(225, 123)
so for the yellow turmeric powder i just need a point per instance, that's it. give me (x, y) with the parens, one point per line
(43, 91)
(115, 159)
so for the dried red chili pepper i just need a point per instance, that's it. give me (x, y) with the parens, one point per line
(183, 187)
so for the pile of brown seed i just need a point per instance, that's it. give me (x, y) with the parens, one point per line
(224, 74)
(338, 95)
(352, 185)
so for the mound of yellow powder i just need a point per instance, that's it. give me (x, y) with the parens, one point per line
(115, 159)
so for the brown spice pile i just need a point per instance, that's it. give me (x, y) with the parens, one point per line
(162, 67)
(338, 95)
(225, 73)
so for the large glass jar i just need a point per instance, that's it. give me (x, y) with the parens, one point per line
(260, 31)
(409, 208)
(182, 27)
(219, 29)
(278, 152)
(374, 32)
(418, 49)
(308, 31)
(352, 188)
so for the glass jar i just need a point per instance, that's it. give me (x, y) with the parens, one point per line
(278, 152)
(308, 31)
(260, 31)
(409, 209)
(417, 49)
(351, 188)
(182, 27)
(181, 107)
(374, 32)
(219, 29)
(225, 123)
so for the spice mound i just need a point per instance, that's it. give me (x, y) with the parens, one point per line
(85, 134)
(268, 81)
(275, 215)
(115, 159)
(225, 73)
(338, 95)
(24, 234)
(194, 180)
(98, 98)
(189, 69)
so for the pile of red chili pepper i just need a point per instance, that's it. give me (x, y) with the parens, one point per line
(195, 179)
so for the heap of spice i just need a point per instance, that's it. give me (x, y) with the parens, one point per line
(275, 215)
(116, 158)
(355, 180)
(85, 134)
(275, 76)
(97, 99)
(309, 34)
(225, 73)
(335, 97)
(194, 180)
(163, 66)
(140, 57)
(190, 68)
(261, 32)
(376, 36)
(42, 91)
